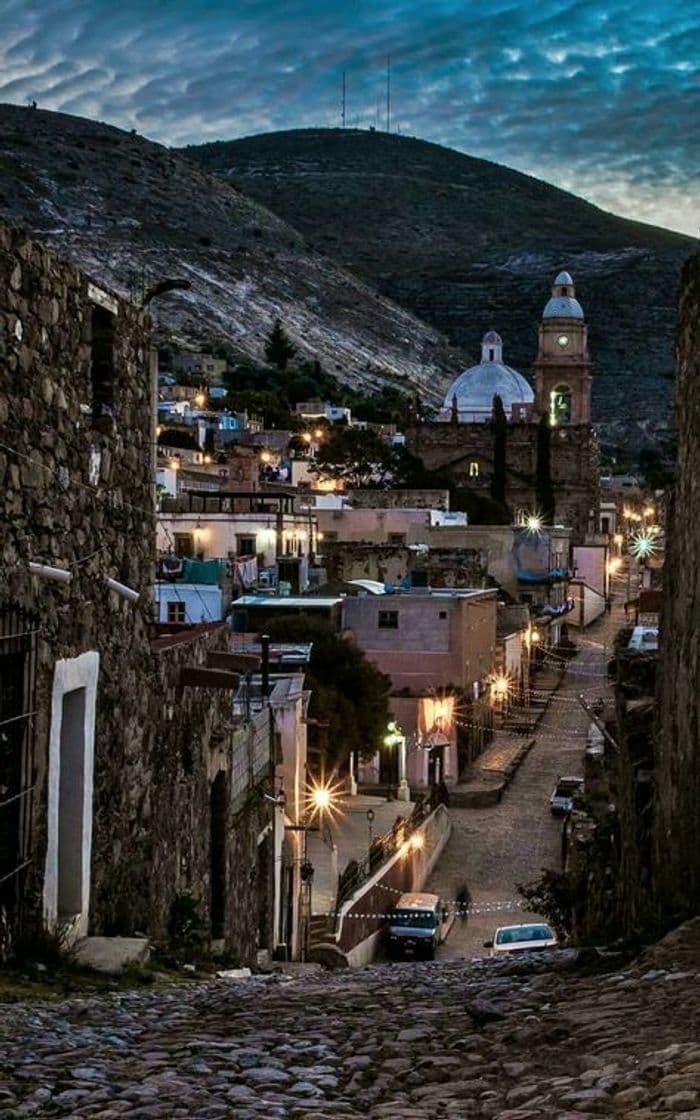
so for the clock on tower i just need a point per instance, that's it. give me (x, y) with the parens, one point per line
(562, 367)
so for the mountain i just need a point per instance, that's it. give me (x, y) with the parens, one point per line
(468, 245)
(131, 213)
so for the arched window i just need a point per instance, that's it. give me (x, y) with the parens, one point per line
(560, 405)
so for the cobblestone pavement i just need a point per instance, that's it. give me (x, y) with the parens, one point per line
(538, 1037)
(495, 848)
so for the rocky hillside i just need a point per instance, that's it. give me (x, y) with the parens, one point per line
(131, 213)
(468, 244)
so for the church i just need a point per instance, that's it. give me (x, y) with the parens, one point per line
(460, 440)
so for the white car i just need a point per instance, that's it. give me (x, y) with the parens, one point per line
(562, 800)
(522, 939)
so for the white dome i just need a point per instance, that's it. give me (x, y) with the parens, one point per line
(473, 391)
(563, 307)
(563, 304)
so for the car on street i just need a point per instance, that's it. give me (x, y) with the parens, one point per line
(561, 801)
(522, 939)
(417, 924)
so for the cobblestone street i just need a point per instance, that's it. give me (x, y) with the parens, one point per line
(511, 1040)
(559, 1036)
(493, 849)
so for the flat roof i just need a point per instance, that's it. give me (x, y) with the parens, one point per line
(286, 601)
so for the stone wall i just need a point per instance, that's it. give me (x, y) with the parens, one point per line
(400, 499)
(461, 449)
(76, 493)
(443, 567)
(677, 818)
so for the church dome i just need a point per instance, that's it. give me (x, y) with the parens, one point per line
(473, 391)
(563, 307)
(563, 303)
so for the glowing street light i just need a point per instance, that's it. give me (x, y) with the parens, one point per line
(396, 738)
(533, 522)
(318, 433)
(265, 457)
(500, 687)
(643, 545)
(307, 437)
(321, 798)
(200, 400)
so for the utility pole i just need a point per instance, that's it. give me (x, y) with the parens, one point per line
(344, 104)
(388, 93)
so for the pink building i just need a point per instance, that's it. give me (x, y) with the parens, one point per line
(438, 647)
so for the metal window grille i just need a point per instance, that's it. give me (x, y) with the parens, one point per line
(18, 645)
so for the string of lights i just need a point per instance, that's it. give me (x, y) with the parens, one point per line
(506, 906)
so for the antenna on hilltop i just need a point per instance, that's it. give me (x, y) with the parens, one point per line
(388, 93)
(344, 101)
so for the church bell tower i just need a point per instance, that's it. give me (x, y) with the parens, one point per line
(563, 368)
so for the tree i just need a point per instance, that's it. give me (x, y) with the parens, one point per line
(360, 458)
(544, 490)
(279, 348)
(347, 691)
(500, 438)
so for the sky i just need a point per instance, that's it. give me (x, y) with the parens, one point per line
(602, 99)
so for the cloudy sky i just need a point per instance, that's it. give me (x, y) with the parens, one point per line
(600, 98)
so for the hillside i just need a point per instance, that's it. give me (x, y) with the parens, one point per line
(130, 213)
(468, 244)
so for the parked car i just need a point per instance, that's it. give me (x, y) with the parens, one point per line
(418, 924)
(522, 939)
(561, 801)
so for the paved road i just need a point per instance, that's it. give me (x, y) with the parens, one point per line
(494, 849)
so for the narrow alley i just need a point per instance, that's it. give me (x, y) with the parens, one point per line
(496, 848)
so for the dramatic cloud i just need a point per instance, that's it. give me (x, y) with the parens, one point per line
(600, 98)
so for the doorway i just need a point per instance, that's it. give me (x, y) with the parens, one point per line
(71, 797)
(218, 803)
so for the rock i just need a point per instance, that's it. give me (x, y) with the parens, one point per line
(112, 954)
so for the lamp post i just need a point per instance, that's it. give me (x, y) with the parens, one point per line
(396, 738)
(319, 800)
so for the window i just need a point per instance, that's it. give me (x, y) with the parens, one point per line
(246, 544)
(560, 405)
(473, 470)
(442, 614)
(184, 544)
(492, 354)
(605, 524)
(397, 538)
(176, 612)
(388, 620)
(102, 363)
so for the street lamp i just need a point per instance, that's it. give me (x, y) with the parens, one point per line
(320, 798)
(396, 738)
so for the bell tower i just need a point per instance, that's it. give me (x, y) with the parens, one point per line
(563, 368)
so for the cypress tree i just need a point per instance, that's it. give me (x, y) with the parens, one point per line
(279, 348)
(544, 490)
(500, 439)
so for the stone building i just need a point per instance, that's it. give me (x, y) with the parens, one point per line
(116, 742)
(459, 442)
(676, 816)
